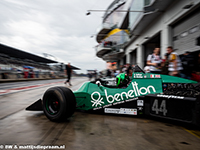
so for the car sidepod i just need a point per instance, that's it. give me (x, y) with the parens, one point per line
(93, 97)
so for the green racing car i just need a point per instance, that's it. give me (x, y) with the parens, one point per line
(143, 94)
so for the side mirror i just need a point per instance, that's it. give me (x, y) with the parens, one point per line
(98, 83)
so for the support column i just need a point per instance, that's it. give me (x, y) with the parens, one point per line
(128, 58)
(166, 39)
(139, 56)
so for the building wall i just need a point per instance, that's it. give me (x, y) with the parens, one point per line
(163, 24)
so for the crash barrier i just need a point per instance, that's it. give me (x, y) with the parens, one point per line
(27, 79)
(11, 77)
(179, 108)
(20, 75)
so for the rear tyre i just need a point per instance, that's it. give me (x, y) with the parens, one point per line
(59, 103)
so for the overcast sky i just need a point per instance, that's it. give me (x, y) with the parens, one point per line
(56, 27)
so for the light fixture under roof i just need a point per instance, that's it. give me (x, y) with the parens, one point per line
(88, 13)
(188, 6)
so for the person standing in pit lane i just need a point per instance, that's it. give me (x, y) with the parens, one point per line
(68, 72)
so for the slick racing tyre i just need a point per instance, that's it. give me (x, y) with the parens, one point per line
(59, 103)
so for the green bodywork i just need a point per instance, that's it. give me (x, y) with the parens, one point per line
(172, 79)
(91, 96)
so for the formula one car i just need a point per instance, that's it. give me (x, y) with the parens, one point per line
(144, 94)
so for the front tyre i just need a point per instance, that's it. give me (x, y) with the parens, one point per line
(59, 103)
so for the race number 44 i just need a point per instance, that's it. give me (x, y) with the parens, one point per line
(162, 108)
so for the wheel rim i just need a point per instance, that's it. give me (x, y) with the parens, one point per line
(52, 106)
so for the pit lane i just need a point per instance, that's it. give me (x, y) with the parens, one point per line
(84, 130)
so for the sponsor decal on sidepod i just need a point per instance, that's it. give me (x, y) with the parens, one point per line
(134, 92)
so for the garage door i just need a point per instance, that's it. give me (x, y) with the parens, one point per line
(186, 32)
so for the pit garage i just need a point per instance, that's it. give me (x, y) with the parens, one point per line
(186, 33)
(150, 45)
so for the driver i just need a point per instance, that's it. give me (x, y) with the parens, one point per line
(122, 80)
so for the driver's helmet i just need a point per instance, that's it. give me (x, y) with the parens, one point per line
(122, 79)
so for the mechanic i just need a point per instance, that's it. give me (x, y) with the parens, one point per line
(174, 62)
(154, 61)
(129, 70)
(188, 65)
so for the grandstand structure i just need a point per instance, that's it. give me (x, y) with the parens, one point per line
(15, 63)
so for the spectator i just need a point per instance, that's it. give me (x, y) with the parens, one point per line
(117, 72)
(26, 72)
(196, 73)
(121, 68)
(36, 73)
(124, 69)
(188, 65)
(109, 73)
(89, 75)
(174, 62)
(31, 73)
(197, 63)
(154, 61)
(52, 75)
(95, 74)
(165, 64)
(129, 70)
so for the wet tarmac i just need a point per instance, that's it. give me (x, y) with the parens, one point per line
(84, 131)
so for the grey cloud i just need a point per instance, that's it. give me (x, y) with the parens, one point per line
(60, 28)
